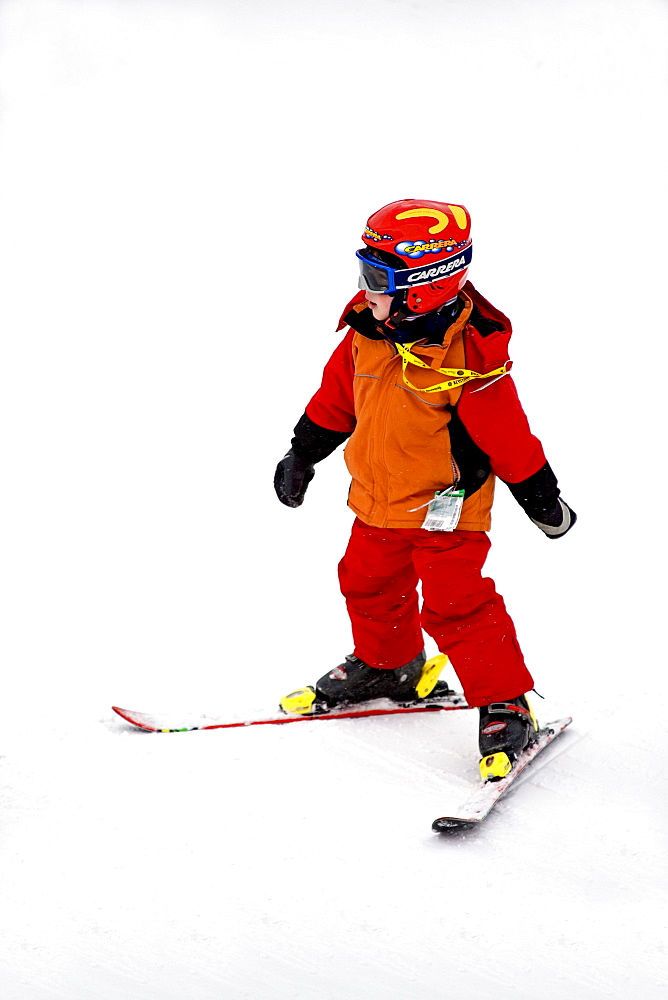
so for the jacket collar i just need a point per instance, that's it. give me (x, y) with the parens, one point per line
(435, 353)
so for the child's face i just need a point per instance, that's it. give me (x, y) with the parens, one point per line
(379, 304)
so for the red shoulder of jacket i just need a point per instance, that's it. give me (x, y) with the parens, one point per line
(333, 405)
(492, 413)
(487, 334)
(486, 309)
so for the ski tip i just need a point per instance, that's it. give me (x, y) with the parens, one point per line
(134, 718)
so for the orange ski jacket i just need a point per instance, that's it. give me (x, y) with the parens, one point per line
(399, 452)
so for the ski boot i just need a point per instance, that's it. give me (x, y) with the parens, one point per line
(506, 728)
(353, 681)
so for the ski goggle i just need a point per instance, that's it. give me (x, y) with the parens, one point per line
(375, 276)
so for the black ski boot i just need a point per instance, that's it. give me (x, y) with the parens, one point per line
(354, 681)
(506, 728)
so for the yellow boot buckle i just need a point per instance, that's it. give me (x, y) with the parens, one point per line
(430, 674)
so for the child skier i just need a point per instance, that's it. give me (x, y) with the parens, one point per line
(419, 387)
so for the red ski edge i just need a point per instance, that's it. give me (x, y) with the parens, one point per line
(152, 724)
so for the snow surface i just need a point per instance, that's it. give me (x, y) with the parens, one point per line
(167, 168)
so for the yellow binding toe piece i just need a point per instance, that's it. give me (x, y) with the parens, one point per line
(298, 702)
(495, 766)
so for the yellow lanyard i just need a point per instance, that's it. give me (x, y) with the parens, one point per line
(457, 375)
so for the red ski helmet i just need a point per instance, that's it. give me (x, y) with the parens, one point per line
(420, 248)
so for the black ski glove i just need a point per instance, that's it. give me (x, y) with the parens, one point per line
(291, 479)
(539, 497)
(295, 471)
(558, 521)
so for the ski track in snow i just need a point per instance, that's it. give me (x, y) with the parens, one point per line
(154, 157)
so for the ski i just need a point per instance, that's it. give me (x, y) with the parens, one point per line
(165, 723)
(484, 798)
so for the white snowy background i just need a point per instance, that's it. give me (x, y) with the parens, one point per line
(182, 188)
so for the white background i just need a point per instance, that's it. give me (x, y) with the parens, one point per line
(182, 189)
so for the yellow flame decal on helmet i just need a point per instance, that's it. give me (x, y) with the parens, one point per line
(433, 213)
(459, 214)
(426, 213)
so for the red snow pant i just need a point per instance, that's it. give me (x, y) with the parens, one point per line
(461, 609)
